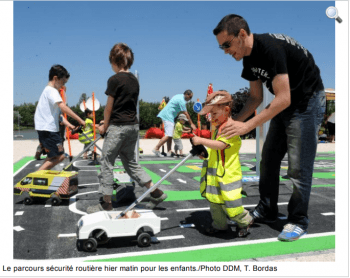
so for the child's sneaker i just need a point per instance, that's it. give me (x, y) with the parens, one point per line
(291, 232)
(157, 153)
(243, 231)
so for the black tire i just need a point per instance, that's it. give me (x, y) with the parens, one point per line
(90, 244)
(28, 201)
(103, 239)
(55, 201)
(144, 240)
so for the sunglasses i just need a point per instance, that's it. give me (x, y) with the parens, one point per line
(226, 45)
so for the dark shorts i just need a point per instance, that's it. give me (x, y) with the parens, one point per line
(51, 142)
(331, 128)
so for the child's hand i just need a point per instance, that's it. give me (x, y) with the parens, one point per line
(201, 157)
(196, 140)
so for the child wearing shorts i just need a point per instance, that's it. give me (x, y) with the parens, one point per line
(221, 173)
(47, 114)
(179, 128)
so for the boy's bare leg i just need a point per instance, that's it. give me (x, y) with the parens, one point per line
(49, 163)
(157, 196)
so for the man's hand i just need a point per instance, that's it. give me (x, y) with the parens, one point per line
(233, 128)
(193, 127)
(82, 123)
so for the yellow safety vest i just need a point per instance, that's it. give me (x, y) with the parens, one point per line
(221, 176)
(88, 131)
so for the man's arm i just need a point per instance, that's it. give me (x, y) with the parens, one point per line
(66, 123)
(281, 101)
(189, 119)
(65, 109)
(254, 100)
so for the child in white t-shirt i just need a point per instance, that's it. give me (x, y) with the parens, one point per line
(46, 118)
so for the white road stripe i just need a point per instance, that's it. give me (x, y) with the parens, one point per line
(18, 228)
(48, 206)
(187, 225)
(19, 213)
(73, 203)
(184, 249)
(20, 169)
(162, 170)
(180, 180)
(37, 165)
(164, 218)
(167, 237)
(246, 206)
(85, 184)
(67, 235)
(328, 213)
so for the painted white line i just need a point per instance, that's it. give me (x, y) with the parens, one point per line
(180, 180)
(192, 209)
(246, 206)
(67, 235)
(48, 206)
(85, 184)
(162, 170)
(19, 213)
(73, 203)
(37, 165)
(328, 213)
(20, 169)
(187, 225)
(18, 228)
(167, 237)
(62, 164)
(164, 218)
(192, 248)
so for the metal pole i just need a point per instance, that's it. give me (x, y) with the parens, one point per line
(154, 186)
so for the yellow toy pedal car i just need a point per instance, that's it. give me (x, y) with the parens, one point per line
(50, 184)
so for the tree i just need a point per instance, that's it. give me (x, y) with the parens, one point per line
(148, 114)
(82, 97)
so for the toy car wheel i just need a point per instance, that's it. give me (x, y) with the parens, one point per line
(55, 201)
(103, 239)
(144, 240)
(90, 244)
(28, 201)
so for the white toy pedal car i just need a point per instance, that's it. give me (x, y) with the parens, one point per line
(99, 227)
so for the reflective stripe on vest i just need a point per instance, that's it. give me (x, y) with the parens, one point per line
(89, 133)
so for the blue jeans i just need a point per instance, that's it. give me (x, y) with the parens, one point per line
(293, 131)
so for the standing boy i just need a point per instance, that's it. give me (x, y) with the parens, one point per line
(179, 128)
(221, 177)
(46, 118)
(122, 131)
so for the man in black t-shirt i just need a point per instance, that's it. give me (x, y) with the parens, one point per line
(289, 71)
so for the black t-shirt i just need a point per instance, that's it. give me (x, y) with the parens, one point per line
(274, 54)
(124, 88)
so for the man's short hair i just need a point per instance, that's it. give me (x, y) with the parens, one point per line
(59, 71)
(233, 24)
(122, 56)
(188, 92)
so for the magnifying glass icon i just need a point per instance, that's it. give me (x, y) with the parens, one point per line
(332, 12)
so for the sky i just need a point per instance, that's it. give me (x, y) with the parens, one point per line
(173, 44)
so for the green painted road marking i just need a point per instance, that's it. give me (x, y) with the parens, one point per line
(185, 169)
(236, 253)
(323, 185)
(164, 162)
(324, 175)
(155, 178)
(197, 178)
(183, 195)
(22, 162)
(325, 158)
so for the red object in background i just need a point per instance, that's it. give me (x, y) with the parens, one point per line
(201, 133)
(72, 136)
(154, 132)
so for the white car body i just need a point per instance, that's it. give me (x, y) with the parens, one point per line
(121, 227)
